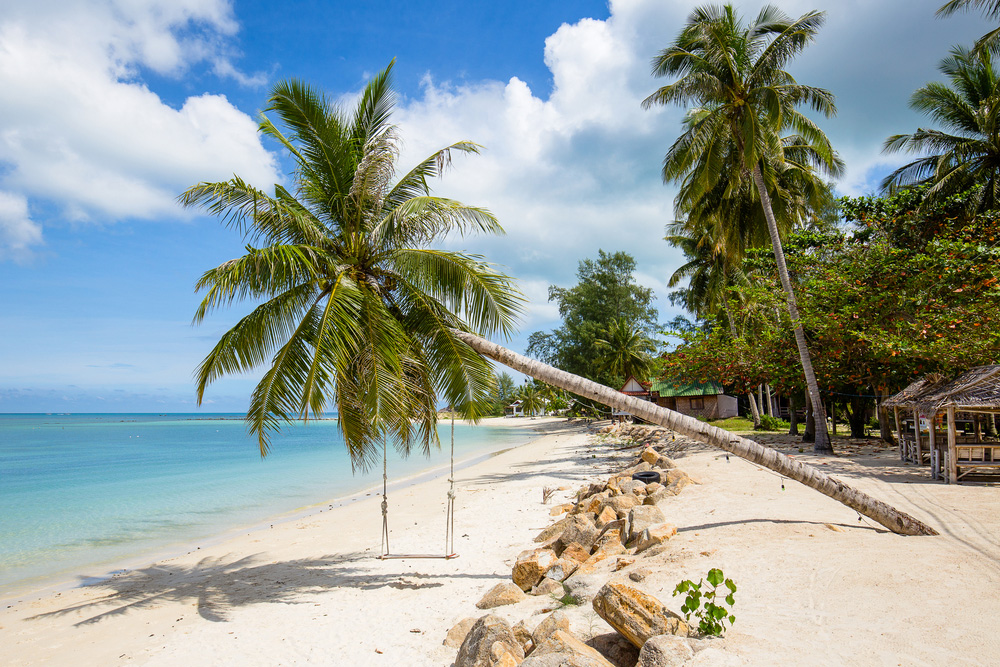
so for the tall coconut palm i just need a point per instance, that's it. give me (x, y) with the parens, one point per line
(746, 103)
(626, 350)
(967, 152)
(358, 311)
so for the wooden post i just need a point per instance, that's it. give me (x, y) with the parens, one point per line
(979, 426)
(931, 438)
(952, 472)
(917, 443)
(899, 430)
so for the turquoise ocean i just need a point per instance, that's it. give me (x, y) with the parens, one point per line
(81, 493)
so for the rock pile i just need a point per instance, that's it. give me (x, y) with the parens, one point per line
(619, 518)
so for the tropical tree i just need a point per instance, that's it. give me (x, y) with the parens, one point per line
(988, 43)
(746, 104)
(625, 350)
(358, 311)
(966, 153)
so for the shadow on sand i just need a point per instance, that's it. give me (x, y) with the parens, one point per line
(216, 585)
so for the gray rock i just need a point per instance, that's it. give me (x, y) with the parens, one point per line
(665, 651)
(478, 649)
(581, 530)
(555, 621)
(633, 486)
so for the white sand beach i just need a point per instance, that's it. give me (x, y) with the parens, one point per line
(816, 586)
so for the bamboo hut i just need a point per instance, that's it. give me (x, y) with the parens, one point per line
(937, 401)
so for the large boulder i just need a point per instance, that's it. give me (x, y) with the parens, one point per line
(633, 486)
(622, 504)
(581, 530)
(665, 651)
(655, 535)
(553, 531)
(618, 650)
(502, 594)
(487, 644)
(563, 649)
(606, 516)
(639, 519)
(555, 621)
(574, 551)
(531, 566)
(562, 568)
(548, 587)
(636, 615)
(523, 636)
(458, 632)
(650, 456)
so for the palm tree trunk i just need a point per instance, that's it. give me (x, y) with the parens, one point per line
(891, 518)
(732, 332)
(822, 444)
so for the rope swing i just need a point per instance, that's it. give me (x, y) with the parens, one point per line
(449, 534)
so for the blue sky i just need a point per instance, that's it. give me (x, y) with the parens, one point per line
(112, 107)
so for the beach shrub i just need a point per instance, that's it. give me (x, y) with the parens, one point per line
(769, 423)
(706, 605)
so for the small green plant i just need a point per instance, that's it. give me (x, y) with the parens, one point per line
(769, 423)
(702, 604)
(567, 599)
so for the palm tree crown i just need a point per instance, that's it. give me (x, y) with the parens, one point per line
(358, 311)
(745, 105)
(967, 152)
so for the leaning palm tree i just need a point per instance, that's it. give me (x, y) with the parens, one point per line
(966, 154)
(625, 350)
(745, 104)
(358, 311)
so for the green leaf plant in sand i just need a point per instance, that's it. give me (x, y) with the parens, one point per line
(744, 104)
(712, 616)
(359, 313)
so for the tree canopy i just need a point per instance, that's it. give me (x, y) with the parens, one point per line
(357, 310)
(606, 296)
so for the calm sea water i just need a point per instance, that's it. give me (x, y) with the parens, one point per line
(80, 492)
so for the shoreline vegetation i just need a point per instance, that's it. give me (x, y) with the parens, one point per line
(809, 572)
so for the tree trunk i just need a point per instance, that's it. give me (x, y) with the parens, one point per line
(770, 404)
(810, 432)
(754, 412)
(822, 444)
(793, 416)
(891, 518)
(884, 422)
(857, 415)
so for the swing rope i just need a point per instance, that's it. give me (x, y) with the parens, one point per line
(449, 535)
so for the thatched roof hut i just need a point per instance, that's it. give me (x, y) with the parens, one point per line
(975, 390)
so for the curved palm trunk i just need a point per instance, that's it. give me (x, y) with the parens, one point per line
(891, 518)
(822, 444)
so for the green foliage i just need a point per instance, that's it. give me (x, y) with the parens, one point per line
(706, 605)
(356, 309)
(966, 153)
(769, 423)
(606, 296)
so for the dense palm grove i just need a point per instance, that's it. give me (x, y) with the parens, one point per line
(885, 288)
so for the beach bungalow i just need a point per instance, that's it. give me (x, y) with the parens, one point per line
(695, 399)
(514, 409)
(936, 402)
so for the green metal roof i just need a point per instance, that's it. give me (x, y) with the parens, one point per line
(670, 388)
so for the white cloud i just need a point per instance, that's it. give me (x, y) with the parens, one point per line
(17, 230)
(79, 127)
